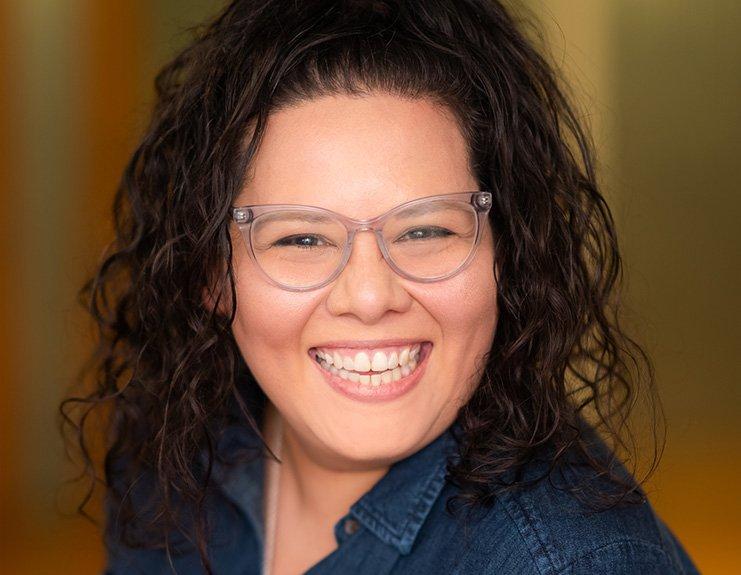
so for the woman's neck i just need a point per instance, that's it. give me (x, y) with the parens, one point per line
(318, 491)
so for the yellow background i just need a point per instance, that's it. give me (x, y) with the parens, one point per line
(659, 82)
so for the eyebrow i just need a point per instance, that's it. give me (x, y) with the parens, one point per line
(301, 214)
(425, 208)
(297, 214)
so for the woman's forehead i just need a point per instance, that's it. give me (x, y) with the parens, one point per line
(341, 151)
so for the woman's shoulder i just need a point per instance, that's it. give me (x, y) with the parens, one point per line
(548, 527)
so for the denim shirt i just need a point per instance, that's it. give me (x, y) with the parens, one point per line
(400, 526)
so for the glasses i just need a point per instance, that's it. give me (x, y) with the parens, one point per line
(301, 248)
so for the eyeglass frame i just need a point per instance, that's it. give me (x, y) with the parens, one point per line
(244, 217)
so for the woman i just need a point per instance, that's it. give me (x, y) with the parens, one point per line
(361, 306)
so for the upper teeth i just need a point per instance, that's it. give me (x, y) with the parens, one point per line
(375, 360)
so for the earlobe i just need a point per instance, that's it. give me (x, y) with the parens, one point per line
(210, 303)
(210, 294)
(207, 299)
(497, 262)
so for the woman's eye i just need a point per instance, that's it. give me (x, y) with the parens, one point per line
(301, 241)
(425, 233)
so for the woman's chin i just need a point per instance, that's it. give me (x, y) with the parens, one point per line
(369, 451)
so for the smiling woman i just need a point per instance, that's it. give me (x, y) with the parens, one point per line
(410, 150)
(360, 312)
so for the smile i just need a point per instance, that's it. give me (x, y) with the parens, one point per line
(377, 374)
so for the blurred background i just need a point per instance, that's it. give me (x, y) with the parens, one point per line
(659, 82)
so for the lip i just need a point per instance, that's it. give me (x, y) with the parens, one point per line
(384, 392)
(369, 343)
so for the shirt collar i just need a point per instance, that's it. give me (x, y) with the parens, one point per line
(394, 509)
(241, 479)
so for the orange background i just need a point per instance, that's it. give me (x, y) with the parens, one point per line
(659, 83)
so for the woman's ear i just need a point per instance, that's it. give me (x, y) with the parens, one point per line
(208, 299)
(217, 294)
(497, 259)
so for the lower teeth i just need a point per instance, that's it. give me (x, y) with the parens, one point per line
(373, 380)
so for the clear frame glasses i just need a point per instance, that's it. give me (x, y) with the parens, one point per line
(301, 248)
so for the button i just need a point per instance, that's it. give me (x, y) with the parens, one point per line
(351, 526)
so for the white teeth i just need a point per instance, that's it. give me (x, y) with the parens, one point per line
(379, 363)
(374, 379)
(404, 356)
(389, 367)
(362, 362)
(375, 361)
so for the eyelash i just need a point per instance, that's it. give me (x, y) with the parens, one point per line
(285, 242)
(438, 232)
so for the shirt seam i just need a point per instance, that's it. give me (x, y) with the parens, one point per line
(535, 545)
(618, 543)
(364, 511)
(422, 506)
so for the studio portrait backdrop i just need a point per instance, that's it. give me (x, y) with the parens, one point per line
(658, 84)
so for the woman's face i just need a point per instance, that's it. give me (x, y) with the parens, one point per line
(360, 157)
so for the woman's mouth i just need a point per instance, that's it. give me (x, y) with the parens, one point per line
(378, 374)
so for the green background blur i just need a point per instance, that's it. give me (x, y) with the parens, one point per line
(659, 83)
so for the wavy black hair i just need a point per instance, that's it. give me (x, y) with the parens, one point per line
(167, 371)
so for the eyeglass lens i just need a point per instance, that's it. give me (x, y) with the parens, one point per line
(300, 248)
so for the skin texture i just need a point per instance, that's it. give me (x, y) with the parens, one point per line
(359, 156)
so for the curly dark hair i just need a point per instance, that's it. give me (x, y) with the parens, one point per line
(167, 371)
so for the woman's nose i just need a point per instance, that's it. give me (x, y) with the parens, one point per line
(367, 287)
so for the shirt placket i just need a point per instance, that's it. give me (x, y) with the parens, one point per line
(359, 552)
